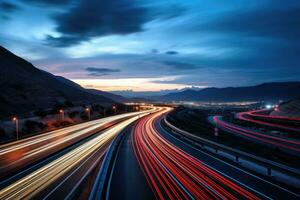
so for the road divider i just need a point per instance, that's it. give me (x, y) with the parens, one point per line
(273, 170)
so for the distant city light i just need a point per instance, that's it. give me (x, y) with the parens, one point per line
(269, 106)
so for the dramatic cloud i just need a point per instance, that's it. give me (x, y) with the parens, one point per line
(171, 52)
(48, 2)
(180, 65)
(8, 7)
(98, 18)
(100, 71)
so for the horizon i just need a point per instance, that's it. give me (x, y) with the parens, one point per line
(160, 46)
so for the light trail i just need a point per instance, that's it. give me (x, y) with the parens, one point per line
(16, 155)
(248, 116)
(255, 114)
(291, 145)
(30, 185)
(6, 148)
(173, 173)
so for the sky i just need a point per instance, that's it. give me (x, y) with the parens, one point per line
(155, 45)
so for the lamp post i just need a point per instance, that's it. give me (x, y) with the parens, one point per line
(62, 112)
(115, 109)
(88, 110)
(15, 120)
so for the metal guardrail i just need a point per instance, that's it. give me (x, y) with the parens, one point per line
(98, 190)
(237, 153)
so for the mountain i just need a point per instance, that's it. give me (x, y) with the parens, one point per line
(288, 109)
(265, 92)
(114, 97)
(24, 88)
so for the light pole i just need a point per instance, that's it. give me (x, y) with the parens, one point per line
(15, 119)
(88, 110)
(115, 109)
(61, 111)
(104, 112)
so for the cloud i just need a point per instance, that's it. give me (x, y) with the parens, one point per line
(8, 7)
(48, 2)
(180, 65)
(98, 18)
(100, 71)
(171, 52)
(93, 18)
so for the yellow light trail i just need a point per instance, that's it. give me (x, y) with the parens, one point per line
(30, 185)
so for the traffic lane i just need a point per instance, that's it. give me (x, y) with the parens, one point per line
(13, 163)
(37, 181)
(60, 133)
(284, 143)
(174, 174)
(247, 117)
(66, 186)
(251, 182)
(128, 180)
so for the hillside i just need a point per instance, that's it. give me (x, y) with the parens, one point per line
(264, 92)
(288, 109)
(24, 88)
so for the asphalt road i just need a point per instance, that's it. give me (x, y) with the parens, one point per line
(59, 175)
(18, 155)
(277, 141)
(174, 169)
(127, 179)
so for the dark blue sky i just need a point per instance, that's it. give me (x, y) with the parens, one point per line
(154, 45)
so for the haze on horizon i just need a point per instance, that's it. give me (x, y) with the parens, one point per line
(156, 45)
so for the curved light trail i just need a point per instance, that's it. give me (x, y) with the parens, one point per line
(249, 115)
(173, 173)
(30, 185)
(288, 144)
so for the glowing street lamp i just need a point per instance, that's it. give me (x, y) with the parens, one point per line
(88, 110)
(62, 112)
(115, 109)
(15, 120)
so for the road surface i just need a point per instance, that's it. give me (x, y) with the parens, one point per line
(59, 175)
(277, 141)
(176, 170)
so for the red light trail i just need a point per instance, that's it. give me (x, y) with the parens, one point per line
(248, 116)
(276, 141)
(174, 174)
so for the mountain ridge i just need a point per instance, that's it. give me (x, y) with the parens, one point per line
(25, 88)
(272, 91)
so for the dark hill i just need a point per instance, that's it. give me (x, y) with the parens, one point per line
(264, 92)
(25, 88)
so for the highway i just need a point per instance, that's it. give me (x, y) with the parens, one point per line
(257, 118)
(19, 154)
(59, 175)
(174, 169)
(277, 141)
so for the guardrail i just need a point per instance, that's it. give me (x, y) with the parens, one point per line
(270, 165)
(99, 187)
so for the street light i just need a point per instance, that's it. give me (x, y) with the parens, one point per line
(15, 119)
(88, 110)
(115, 109)
(62, 112)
